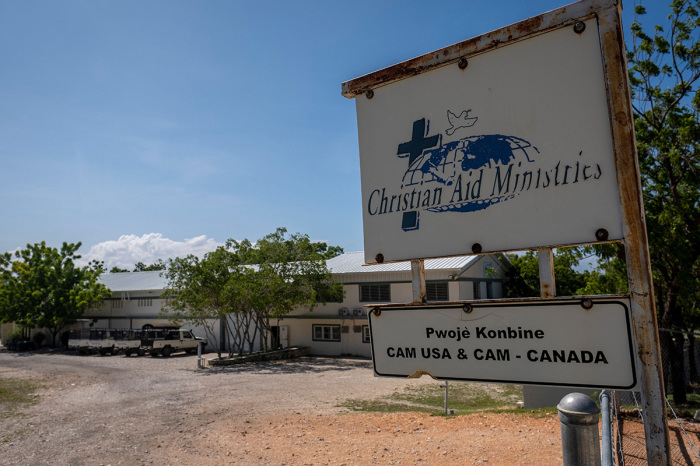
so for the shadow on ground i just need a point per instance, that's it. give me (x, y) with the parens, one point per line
(303, 365)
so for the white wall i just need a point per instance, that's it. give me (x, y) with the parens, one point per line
(301, 334)
(301, 322)
(140, 303)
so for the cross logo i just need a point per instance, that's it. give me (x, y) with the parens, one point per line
(414, 148)
(418, 143)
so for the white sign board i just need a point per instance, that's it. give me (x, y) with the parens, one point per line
(538, 342)
(512, 152)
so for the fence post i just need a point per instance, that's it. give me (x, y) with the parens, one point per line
(446, 389)
(607, 441)
(579, 430)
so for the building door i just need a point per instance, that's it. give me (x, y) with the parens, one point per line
(274, 337)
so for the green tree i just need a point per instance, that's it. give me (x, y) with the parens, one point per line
(160, 264)
(522, 276)
(245, 285)
(610, 274)
(290, 273)
(609, 277)
(663, 68)
(197, 291)
(43, 288)
(116, 269)
(157, 265)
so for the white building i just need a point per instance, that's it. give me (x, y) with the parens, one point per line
(336, 328)
(136, 300)
(342, 328)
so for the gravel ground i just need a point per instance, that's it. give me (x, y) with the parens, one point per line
(115, 410)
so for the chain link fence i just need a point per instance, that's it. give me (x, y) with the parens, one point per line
(680, 354)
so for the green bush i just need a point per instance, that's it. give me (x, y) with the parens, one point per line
(38, 338)
(63, 338)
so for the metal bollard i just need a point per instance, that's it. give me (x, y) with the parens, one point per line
(201, 363)
(608, 458)
(579, 430)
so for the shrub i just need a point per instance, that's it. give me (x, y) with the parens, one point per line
(39, 338)
(63, 338)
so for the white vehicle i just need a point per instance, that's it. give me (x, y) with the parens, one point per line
(93, 339)
(166, 341)
(79, 340)
(130, 343)
(103, 340)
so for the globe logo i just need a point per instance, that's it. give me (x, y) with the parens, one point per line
(465, 164)
(465, 156)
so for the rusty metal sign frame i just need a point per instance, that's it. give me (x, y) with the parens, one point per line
(608, 15)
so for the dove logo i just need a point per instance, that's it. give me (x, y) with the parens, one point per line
(461, 121)
(469, 173)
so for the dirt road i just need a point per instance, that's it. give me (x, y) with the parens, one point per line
(96, 410)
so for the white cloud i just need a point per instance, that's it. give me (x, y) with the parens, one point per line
(130, 249)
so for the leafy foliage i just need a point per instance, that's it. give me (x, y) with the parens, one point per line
(160, 264)
(664, 68)
(246, 285)
(43, 288)
(609, 277)
(157, 265)
(116, 269)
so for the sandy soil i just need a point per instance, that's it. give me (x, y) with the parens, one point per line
(121, 411)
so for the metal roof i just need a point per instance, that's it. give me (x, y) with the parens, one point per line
(131, 281)
(353, 262)
(350, 262)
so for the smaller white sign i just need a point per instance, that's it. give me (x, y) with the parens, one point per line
(531, 342)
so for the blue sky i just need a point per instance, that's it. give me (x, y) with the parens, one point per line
(149, 129)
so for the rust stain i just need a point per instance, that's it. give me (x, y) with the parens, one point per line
(499, 301)
(531, 24)
(522, 30)
(545, 290)
(420, 294)
(621, 118)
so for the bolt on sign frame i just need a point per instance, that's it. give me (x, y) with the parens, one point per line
(521, 138)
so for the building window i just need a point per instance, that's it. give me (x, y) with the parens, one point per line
(489, 290)
(326, 332)
(117, 304)
(365, 334)
(145, 302)
(436, 291)
(477, 290)
(375, 293)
